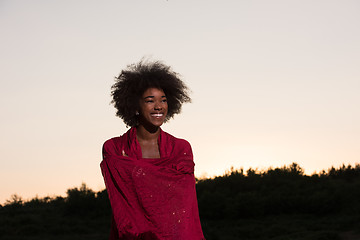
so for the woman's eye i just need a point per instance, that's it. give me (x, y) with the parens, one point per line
(149, 101)
(164, 100)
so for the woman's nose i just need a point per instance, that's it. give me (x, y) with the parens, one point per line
(158, 106)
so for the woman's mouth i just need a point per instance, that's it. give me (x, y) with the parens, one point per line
(157, 114)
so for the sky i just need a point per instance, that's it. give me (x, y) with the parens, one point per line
(273, 82)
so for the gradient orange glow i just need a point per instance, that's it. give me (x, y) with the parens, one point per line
(273, 82)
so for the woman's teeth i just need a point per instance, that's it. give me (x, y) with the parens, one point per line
(157, 114)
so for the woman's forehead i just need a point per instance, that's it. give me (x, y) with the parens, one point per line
(153, 92)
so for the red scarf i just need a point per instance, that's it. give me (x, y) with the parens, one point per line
(152, 199)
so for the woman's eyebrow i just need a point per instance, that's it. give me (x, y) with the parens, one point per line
(149, 97)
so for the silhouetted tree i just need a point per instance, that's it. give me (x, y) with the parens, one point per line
(80, 200)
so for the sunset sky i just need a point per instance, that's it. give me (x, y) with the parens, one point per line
(273, 82)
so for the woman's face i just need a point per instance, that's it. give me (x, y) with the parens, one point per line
(153, 107)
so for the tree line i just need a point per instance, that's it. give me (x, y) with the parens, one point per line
(285, 190)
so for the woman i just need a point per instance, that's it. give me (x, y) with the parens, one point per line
(149, 174)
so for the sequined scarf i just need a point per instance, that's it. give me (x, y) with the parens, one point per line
(151, 199)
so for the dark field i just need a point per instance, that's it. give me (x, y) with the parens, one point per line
(278, 204)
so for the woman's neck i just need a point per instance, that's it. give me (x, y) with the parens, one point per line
(147, 134)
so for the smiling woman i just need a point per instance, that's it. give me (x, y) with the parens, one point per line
(149, 174)
(153, 110)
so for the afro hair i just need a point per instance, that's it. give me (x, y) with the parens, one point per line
(136, 79)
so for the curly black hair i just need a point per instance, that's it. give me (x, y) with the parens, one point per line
(136, 79)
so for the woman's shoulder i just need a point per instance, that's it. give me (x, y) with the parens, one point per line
(114, 146)
(178, 144)
(111, 146)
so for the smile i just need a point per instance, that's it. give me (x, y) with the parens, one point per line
(157, 114)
